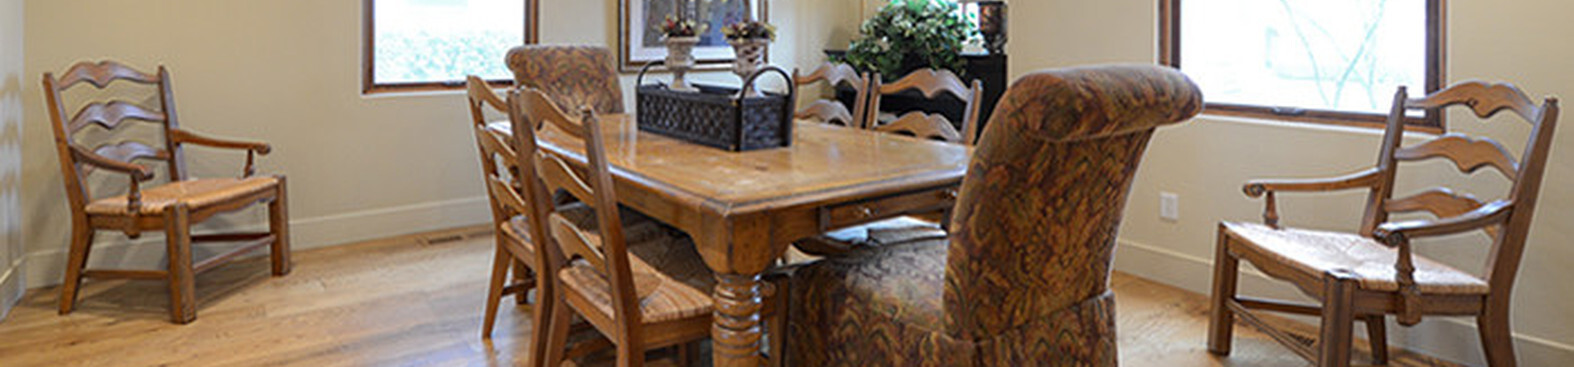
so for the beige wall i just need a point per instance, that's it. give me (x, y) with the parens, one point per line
(288, 72)
(1205, 161)
(11, 282)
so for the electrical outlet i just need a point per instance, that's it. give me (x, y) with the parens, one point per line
(1169, 206)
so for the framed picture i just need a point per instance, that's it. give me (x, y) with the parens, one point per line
(640, 41)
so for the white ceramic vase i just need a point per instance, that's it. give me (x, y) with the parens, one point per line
(680, 58)
(750, 56)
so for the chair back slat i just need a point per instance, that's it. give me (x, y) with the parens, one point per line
(576, 243)
(102, 73)
(1484, 99)
(505, 196)
(500, 168)
(557, 174)
(538, 104)
(834, 112)
(110, 115)
(1468, 154)
(830, 112)
(923, 126)
(932, 83)
(496, 147)
(481, 98)
(127, 151)
(835, 74)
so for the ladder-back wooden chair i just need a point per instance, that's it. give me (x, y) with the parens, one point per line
(508, 167)
(641, 291)
(931, 83)
(1373, 273)
(926, 222)
(833, 111)
(500, 168)
(172, 207)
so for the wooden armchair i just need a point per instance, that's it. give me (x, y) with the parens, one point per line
(1023, 279)
(640, 290)
(932, 83)
(171, 207)
(1367, 275)
(832, 111)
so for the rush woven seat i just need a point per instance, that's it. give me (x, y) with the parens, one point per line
(1370, 263)
(194, 194)
(662, 297)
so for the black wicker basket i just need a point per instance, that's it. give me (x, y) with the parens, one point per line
(718, 116)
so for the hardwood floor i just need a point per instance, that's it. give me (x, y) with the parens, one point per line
(417, 300)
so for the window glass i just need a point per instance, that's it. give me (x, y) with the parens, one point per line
(442, 41)
(1287, 56)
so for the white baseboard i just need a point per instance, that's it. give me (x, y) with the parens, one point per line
(1453, 339)
(11, 287)
(44, 268)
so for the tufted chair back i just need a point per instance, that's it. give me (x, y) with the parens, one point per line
(571, 75)
(1035, 223)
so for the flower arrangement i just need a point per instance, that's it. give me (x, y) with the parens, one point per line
(911, 34)
(674, 27)
(749, 29)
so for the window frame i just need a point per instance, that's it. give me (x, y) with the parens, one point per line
(368, 53)
(1436, 55)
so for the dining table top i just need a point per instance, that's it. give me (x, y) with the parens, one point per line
(823, 162)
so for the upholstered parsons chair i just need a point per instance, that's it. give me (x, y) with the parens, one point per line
(1023, 279)
(571, 75)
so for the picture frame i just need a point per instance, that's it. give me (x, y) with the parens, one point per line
(639, 40)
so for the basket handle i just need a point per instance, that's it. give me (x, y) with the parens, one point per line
(792, 87)
(640, 80)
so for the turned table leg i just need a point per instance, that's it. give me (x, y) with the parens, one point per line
(736, 333)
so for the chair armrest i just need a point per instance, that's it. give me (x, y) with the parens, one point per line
(1492, 213)
(138, 172)
(1363, 179)
(252, 148)
(1270, 216)
(184, 136)
(1398, 234)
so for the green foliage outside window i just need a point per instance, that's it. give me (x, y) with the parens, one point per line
(414, 57)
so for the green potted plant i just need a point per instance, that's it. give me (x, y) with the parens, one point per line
(907, 35)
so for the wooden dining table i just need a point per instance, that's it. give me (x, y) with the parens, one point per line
(744, 208)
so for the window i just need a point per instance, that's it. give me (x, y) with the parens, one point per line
(434, 44)
(1330, 61)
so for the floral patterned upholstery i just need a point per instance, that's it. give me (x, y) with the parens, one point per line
(573, 76)
(1023, 278)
